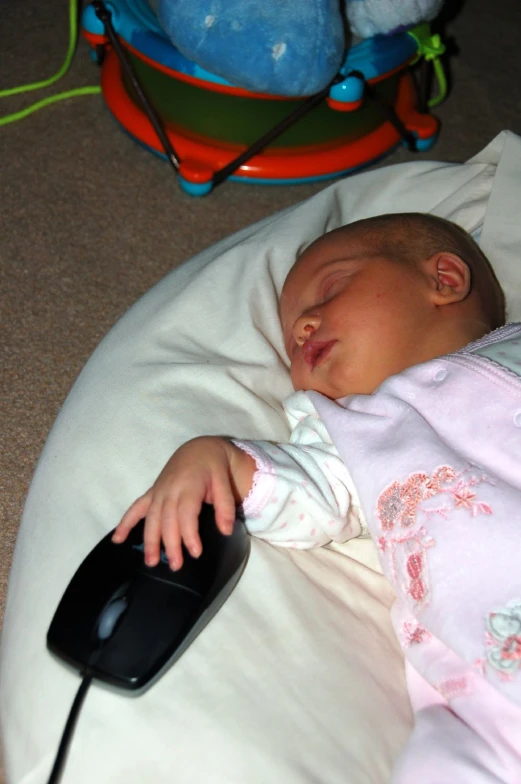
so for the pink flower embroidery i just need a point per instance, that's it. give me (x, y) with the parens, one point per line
(415, 565)
(417, 589)
(397, 503)
(414, 634)
(382, 543)
(444, 475)
(511, 649)
(400, 509)
(456, 686)
(389, 506)
(463, 498)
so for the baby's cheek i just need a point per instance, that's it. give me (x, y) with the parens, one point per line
(296, 379)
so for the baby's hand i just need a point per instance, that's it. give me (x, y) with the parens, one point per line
(208, 470)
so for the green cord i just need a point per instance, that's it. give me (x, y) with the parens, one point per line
(442, 84)
(47, 102)
(73, 34)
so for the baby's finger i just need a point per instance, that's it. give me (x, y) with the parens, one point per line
(224, 504)
(132, 516)
(188, 512)
(171, 535)
(152, 535)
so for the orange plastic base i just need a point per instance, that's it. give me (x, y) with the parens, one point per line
(280, 164)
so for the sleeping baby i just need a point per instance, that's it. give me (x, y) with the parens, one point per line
(406, 427)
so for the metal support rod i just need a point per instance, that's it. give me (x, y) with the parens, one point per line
(389, 113)
(272, 134)
(104, 15)
(424, 87)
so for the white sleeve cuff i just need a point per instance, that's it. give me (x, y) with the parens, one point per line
(264, 478)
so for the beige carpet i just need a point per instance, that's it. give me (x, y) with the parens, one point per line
(89, 221)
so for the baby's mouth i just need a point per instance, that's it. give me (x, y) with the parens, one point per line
(314, 352)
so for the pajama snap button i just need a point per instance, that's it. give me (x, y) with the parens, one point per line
(440, 374)
(517, 419)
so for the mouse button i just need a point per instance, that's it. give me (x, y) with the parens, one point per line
(196, 574)
(93, 584)
(124, 556)
(157, 620)
(221, 557)
(107, 566)
(110, 617)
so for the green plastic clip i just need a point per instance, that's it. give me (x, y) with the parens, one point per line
(431, 47)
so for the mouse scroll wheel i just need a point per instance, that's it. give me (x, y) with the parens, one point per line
(110, 616)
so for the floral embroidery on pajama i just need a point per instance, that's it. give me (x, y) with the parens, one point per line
(455, 686)
(414, 634)
(503, 639)
(400, 509)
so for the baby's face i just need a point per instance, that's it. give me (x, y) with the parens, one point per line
(352, 318)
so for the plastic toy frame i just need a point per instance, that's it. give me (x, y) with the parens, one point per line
(352, 123)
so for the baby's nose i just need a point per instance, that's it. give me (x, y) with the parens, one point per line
(305, 326)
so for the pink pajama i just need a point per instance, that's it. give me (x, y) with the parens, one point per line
(430, 466)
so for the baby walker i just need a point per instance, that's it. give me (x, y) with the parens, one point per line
(211, 130)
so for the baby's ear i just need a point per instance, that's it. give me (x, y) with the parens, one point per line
(449, 276)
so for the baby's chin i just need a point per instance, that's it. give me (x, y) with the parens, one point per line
(321, 388)
(336, 386)
(338, 391)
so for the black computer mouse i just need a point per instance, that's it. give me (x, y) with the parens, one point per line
(126, 622)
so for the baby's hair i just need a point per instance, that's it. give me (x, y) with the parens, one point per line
(411, 236)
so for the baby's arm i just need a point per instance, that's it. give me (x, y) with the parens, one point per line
(303, 495)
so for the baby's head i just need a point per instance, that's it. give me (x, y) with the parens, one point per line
(372, 298)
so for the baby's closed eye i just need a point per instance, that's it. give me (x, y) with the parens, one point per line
(333, 285)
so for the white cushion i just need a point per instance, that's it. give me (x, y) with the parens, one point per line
(299, 677)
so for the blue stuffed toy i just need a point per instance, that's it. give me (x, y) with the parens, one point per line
(286, 47)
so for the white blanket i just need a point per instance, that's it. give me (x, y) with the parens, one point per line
(299, 678)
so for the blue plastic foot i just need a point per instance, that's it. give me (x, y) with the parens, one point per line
(195, 188)
(422, 145)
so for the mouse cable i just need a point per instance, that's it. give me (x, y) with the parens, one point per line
(69, 729)
(73, 39)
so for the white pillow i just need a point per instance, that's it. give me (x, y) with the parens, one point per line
(299, 677)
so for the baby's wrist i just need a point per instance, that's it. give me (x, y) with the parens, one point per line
(242, 469)
(263, 480)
